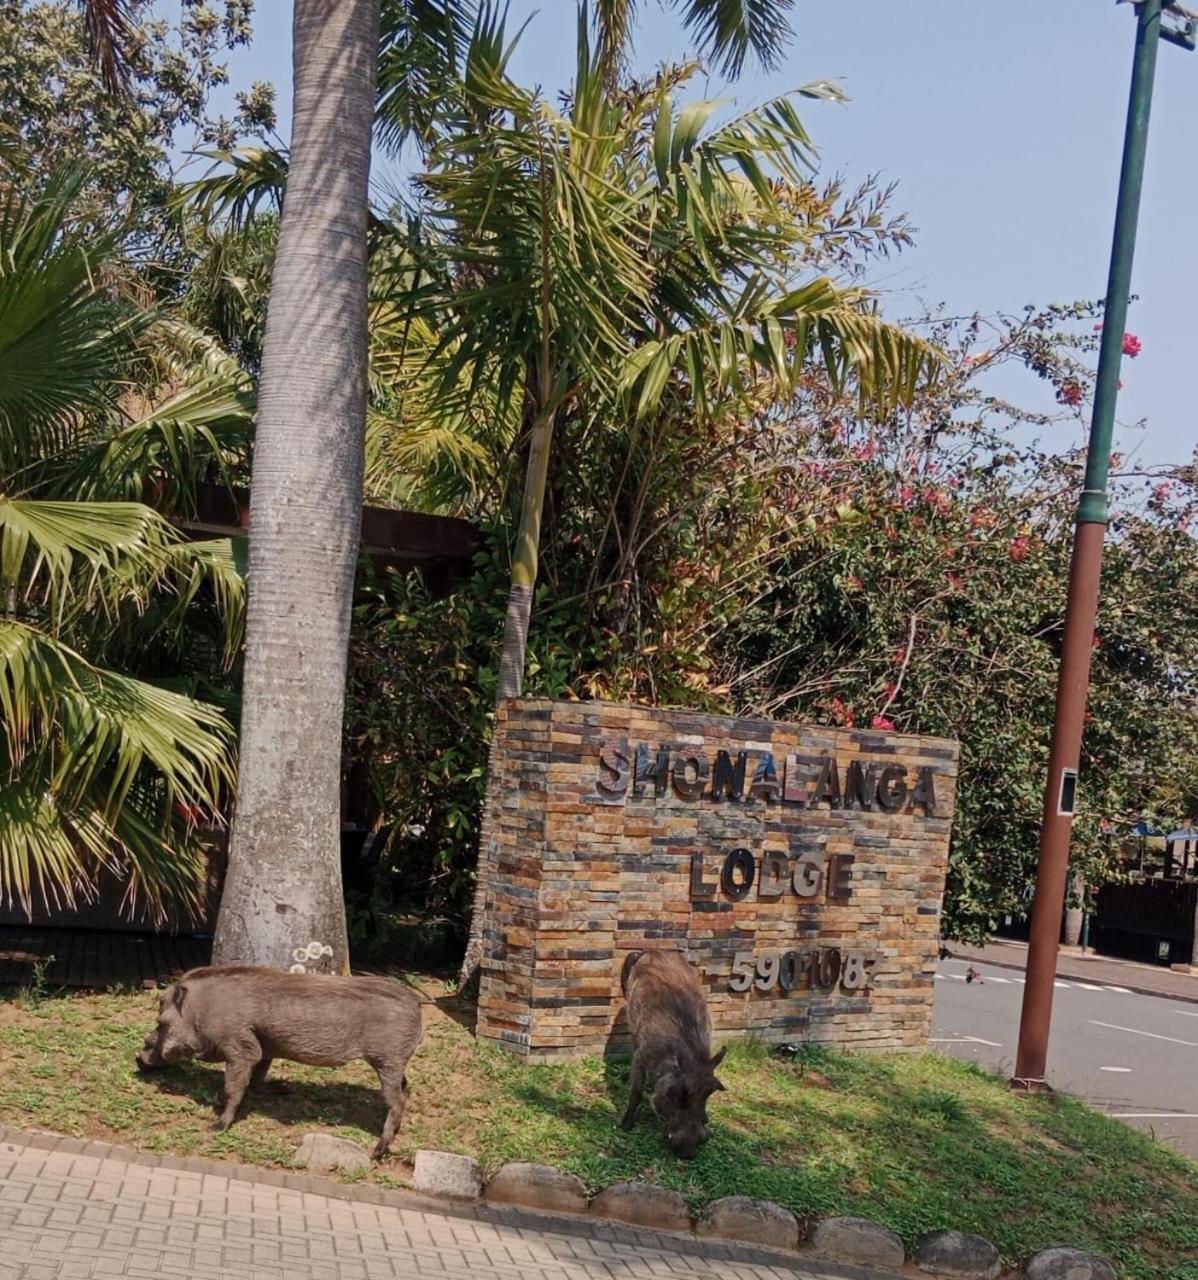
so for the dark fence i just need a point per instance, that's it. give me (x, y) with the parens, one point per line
(1148, 919)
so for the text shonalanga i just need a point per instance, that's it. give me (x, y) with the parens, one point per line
(804, 781)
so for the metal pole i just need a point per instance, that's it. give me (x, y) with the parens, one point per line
(1084, 573)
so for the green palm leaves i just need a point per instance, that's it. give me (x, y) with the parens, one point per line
(624, 251)
(98, 770)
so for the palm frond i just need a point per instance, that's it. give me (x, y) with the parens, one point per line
(43, 855)
(62, 334)
(169, 449)
(761, 334)
(421, 51)
(221, 565)
(729, 30)
(110, 28)
(101, 729)
(57, 853)
(238, 184)
(80, 554)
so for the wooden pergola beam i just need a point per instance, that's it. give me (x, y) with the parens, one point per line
(440, 547)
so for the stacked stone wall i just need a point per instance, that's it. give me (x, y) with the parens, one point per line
(800, 868)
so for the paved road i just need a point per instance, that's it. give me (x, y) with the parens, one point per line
(79, 1215)
(1133, 1056)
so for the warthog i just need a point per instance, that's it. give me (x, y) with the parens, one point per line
(671, 1030)
(246, 1017)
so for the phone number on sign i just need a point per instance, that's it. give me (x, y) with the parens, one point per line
(821, 970)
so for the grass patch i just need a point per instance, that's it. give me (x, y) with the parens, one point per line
(919, 1142)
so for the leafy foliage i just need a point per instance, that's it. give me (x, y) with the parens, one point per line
(807, 562)
(101, 770)
(59, 64)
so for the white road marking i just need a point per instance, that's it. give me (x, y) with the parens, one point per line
(1086, 986)
(1190, 1044)
(1065, 985)
(1153, 1115)
(967, 1040)
(1118, 1069)
(956, 977)
(1185, 1013)
(1123, 991)
(996, 978)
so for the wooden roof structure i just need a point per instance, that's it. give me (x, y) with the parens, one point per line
(441, 548)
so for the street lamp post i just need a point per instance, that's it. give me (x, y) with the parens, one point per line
(1086, 567)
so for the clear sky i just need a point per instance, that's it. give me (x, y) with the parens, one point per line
(1002, 122)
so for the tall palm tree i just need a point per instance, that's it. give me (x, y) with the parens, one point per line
(282, 902)
(598, 259)
(282, 896)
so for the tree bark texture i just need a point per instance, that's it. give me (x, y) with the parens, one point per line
(282, 902)
(511, 662)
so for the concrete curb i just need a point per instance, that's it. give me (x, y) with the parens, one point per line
(520, 1217)
(697, 1239)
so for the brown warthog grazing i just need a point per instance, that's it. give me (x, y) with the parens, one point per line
(671, 1030)
(246, 1017)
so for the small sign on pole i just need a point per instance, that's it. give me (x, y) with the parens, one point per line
(1067, 800)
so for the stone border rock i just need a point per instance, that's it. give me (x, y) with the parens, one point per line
(738, 1227)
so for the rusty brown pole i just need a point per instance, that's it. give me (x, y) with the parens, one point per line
(1084, 573)
(1080, 613)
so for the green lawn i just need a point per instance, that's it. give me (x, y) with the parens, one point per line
(917, 1142)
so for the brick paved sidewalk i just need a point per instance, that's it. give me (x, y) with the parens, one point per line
(73, 1209)
(1146, 979)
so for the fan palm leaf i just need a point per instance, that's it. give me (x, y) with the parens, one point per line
(63, 335)
(95, 763)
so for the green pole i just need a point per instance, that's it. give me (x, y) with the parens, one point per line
(1085, 572)
(1093, 505)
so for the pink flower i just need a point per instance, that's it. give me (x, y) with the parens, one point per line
(889, 689)
(1116, 460)
(1162, 491)
(1098, 327)
(1132, 346)
(844, 713)
(906, 494)
(881, 722)
(789, 337)
(1070, 393)
(1018, 549)
(864, 452)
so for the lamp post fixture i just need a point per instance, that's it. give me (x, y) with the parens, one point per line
(1086, 565)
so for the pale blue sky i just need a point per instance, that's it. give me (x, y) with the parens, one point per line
(1002, 122)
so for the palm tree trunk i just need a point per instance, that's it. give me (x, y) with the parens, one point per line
(511, 661)
(524, 582)
(282, 903)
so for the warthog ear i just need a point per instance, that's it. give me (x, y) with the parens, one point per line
(719, 1057)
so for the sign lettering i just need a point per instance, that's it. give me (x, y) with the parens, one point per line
(752, 777)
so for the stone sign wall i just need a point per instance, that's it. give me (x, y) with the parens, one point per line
(801, 868)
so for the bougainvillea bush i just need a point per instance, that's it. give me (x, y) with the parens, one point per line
(808, 561)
